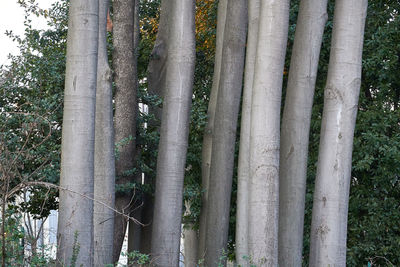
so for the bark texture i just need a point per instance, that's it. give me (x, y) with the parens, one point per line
(134, 229)
(224, 137)
(331, 196)
(209, 129)
(104, 171)
(295, 129)
(125, 68)
(241, 237)
(174, 133)
(156, 85)
(265, 133)
(77, 158)
(190, 240)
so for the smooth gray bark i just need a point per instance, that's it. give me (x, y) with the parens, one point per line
(190, 240)
(224, 137)
(209, 129)
(242, 206)
(331, 196)
(104, 171)
(295, 129)
(174, 133)
(77, 145)
(125, 69)
(134, 236)
(265, 133)
(156, 85)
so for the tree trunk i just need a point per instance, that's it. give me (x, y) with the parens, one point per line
(134, 235)
(265, 129)
(134, 230)
(77, 160)
(295, 129)
(174, 133)
(156, 85)
(331, 196)
(209, 129)
(125, 68)
(104, 171)
(190, 240)
(223, 145)
(241, 238)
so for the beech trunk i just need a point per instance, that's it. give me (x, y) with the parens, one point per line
(104, 171)
(174, 133)
(242, 235)
(265, 133)
(295, 129)
(332, 185)
(224, 136)
(209, 129)
(75, 223)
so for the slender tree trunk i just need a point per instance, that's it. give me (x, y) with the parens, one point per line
(125, 68)
(265, 130)
(156, 87)
(223, 145)
(134, 235)
(174, 133)
(331, 196)
(146, 219)
(295, 129)
(242, 249)
(77, 148)
(3, 223)
(191, 241)
(104, 171)
(190, 248)
(209, 129)
(134, 230)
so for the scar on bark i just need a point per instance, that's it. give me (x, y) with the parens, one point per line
(332, 92)
(322, 230)
(74, 83)
(290, 152)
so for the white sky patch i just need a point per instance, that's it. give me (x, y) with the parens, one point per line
(12, 19)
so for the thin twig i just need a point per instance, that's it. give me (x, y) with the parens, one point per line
(30, 183)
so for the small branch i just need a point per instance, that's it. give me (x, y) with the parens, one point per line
(49, 185)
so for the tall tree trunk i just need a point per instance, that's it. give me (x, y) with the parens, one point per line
(146, 219)
(264, 138)
(225, 124)
(209, 129)
(134, 235)
(156, 87)
(241, 239)
(104, 171)
(125, 68)
(134, 230)
(191, 241)
(295, 129)
(331, 196)
(77, 159)
(174, 133)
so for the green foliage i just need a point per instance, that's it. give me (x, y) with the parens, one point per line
(374, 213)
(16, 244)
(75, 250)
(31, 105)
